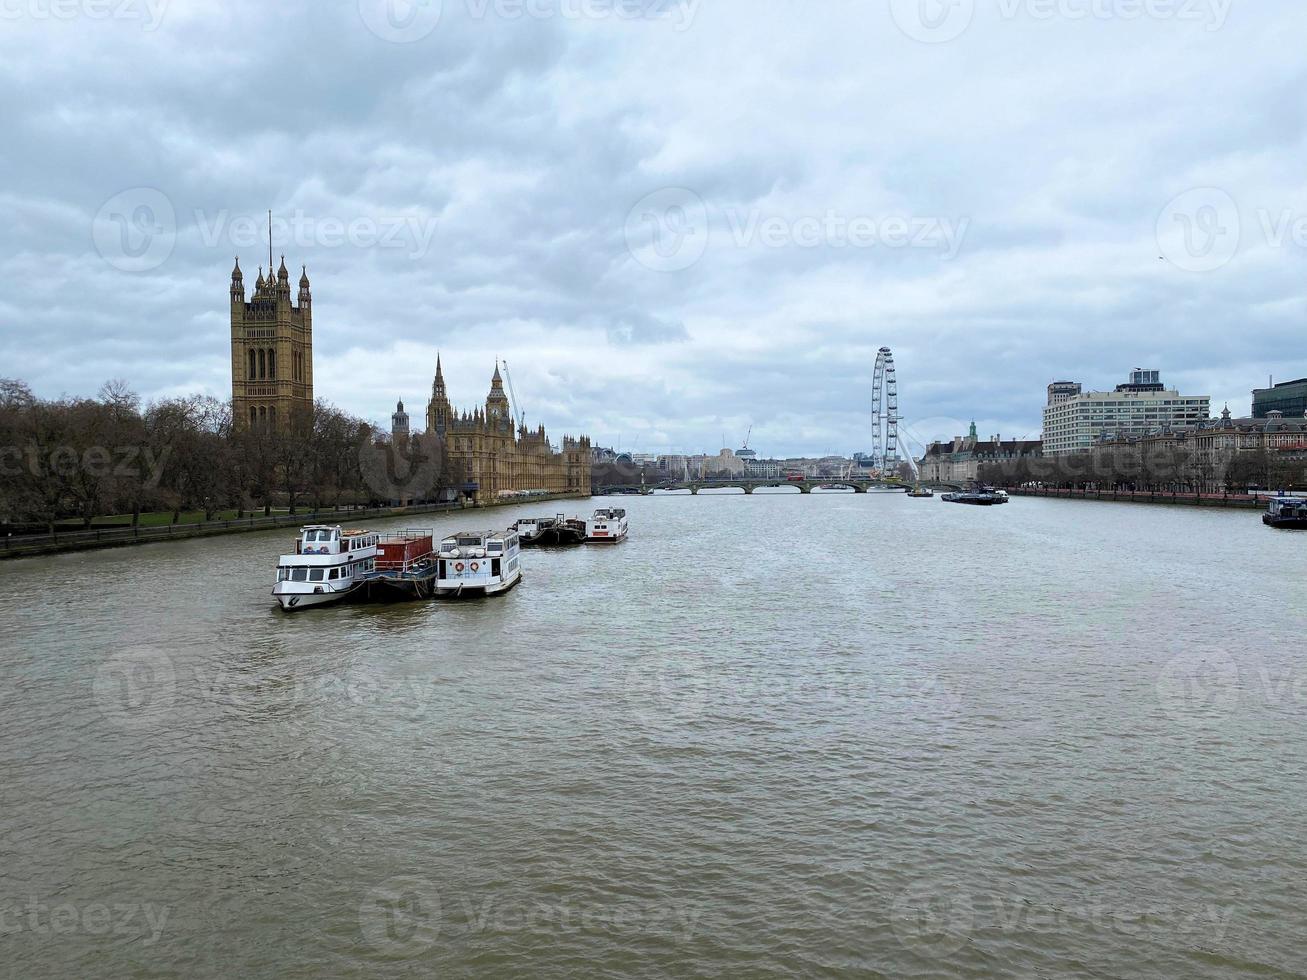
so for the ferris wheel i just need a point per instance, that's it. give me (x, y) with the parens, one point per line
(885, 413)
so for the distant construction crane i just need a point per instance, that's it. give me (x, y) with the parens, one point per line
(519, 415)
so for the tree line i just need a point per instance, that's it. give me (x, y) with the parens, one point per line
(1150, 469)
(85, 458)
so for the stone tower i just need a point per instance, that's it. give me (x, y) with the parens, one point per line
(271, 350)
(399, 425)
(498, 413)
(440, 414)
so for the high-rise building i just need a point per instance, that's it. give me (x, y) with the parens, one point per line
(1074, 420)
(271, 350)
(1289, 398)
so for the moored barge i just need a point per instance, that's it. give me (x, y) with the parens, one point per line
(329, 565)
(478, 563)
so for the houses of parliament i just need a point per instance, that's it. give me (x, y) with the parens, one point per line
(272, 387)
(497, 456)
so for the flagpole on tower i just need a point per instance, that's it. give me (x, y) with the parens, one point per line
(269, 243)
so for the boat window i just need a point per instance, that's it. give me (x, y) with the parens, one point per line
(299, 574)
(495, 548)
(315, 575)
(332, 574)
(468, 542)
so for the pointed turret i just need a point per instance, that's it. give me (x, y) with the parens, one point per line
(237, 284)
(305, 297)
(283, 274)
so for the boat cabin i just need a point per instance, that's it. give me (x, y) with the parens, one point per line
(323, 540)
(478, 560)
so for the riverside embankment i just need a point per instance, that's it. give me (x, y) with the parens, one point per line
(26, 546)
(1239, 500)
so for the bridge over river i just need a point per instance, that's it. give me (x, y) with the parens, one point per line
(857, 485)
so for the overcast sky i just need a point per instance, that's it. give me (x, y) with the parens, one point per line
(674, 219)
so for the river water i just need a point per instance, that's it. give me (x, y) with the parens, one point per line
(769, 735)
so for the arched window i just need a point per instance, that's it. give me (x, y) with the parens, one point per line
(263, 366)
(253, 375)
(272, 417)
(263, 416)
(254, 412)
(272, 363)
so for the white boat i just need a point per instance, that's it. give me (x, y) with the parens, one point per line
(608, 526)
(329, 564)
(478, 563)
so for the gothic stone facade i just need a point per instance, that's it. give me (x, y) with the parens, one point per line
(498, 458)
(271, 350)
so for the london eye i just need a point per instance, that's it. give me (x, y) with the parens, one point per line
(885, 413)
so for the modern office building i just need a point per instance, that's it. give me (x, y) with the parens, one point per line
(1075, 420)
(1289, 398)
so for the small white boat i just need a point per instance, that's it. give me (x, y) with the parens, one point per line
(329, 565)
(608, 526)
(478, 563)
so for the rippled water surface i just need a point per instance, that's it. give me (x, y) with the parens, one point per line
(774, 735)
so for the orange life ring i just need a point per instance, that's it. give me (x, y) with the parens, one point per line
(476, 567)
(458, 567)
